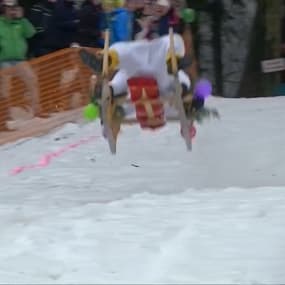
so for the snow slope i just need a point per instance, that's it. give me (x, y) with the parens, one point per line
(154, 213)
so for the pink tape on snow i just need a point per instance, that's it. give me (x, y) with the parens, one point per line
(47, 158)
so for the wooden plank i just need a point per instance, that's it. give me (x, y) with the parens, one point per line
(185, 123)
(38, 127)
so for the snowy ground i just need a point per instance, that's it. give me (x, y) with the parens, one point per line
(154, 213)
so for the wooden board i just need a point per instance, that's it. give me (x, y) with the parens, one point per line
(37, 127)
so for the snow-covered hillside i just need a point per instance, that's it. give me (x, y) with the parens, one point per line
(153, 213)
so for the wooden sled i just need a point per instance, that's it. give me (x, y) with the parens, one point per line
(144, 96)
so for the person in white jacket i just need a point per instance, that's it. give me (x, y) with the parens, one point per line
(150, 59)
(142, 58)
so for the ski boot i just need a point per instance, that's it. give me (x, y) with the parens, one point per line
(192, 106)
(195, 109)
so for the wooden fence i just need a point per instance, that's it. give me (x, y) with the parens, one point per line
(42, 94)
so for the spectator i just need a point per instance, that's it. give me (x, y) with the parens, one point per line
(145, 27)
(120, 20)
(178, 5)
(56, 24)
(139, 5)
(156, 19)
(138, 14)
(14, 32)
(166, 17)
(65, 23)
(89, 29)
(41, 16)
(1, 7)
(148, 7)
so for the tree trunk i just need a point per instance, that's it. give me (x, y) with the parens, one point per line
(272, 41)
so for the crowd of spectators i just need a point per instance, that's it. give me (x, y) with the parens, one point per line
(51, 25)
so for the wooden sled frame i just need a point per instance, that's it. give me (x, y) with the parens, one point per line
(111, 123)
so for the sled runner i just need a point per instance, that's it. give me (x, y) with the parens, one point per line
(185, 123)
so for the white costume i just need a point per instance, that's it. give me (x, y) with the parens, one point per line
(147, 58)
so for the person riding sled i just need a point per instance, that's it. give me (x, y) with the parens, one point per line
(150, 60)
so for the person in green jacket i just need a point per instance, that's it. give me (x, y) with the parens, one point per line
(15, 30)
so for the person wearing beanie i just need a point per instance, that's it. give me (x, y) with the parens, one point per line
(15, 30)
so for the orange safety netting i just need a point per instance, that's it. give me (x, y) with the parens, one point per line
(57, 84)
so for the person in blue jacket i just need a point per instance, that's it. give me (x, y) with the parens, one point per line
(119, 18)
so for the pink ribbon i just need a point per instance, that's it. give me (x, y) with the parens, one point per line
(47, 158)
